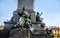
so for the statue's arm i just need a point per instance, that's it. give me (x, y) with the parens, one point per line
(41, 13)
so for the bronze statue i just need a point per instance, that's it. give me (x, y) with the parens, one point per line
(25, 19)
(38, 18)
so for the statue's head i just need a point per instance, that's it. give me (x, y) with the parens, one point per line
(23, 8)
(37, 13)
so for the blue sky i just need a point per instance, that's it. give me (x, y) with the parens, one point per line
(50, 9)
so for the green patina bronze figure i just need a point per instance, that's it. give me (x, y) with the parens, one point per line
(24, 19)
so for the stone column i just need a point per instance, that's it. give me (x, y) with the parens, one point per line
(26, 3)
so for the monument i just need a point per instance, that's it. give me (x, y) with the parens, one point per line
(17, 33)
